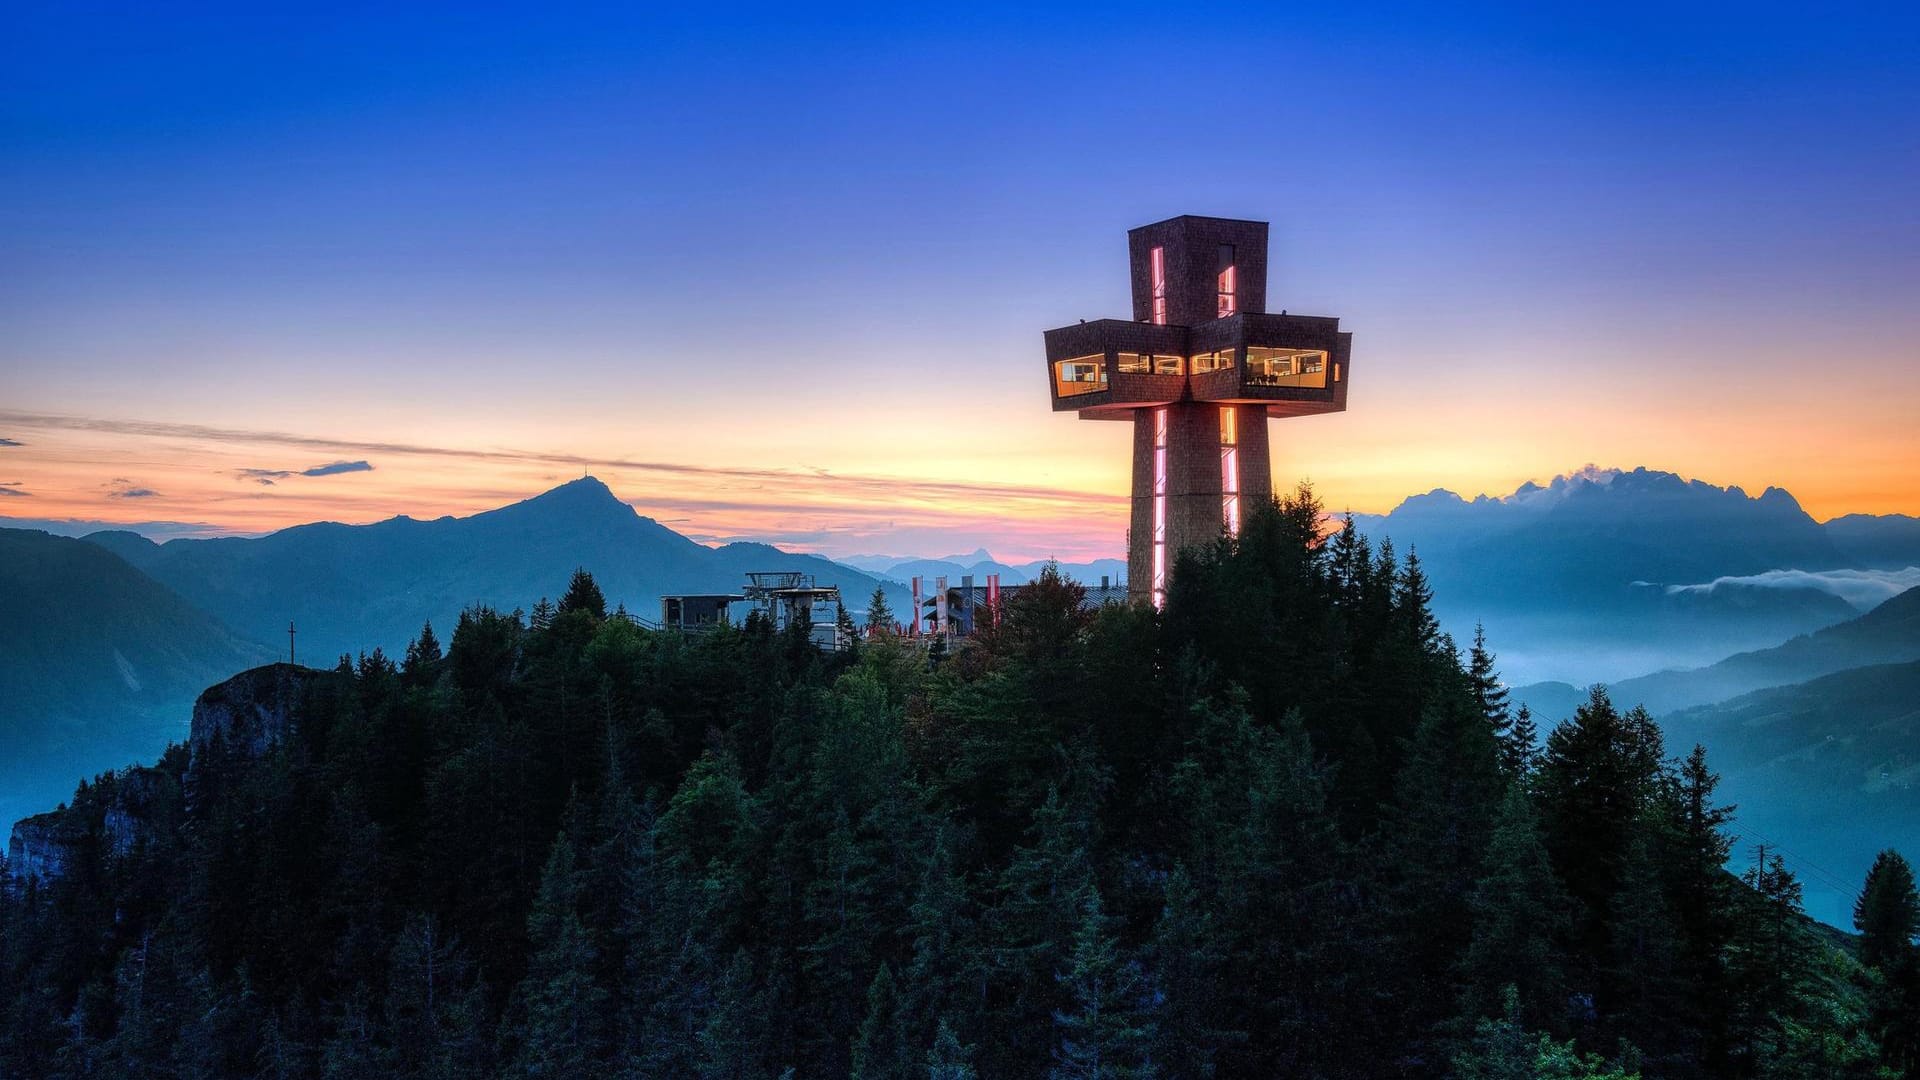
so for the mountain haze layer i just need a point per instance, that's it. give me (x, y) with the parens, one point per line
(99, 664)
(1829, 769)
(351, 587)
(1591, 576)
(1889, 634)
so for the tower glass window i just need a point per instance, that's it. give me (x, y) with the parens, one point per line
(1080, 375)
(1215, 360)
(1158, 264)
(1227, 285)
(1286, 367)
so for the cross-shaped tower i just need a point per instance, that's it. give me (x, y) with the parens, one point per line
(1198, 370)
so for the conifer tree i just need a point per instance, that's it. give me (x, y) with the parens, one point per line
(1489, 694)
(583, 594)
(1700, 890)
(1887, 912)
(1350, 563)
(1186, 961)
(939, 928)
(879, 614)
(1520, 750)
(1596, 775)
(423, 653)
(883, 1049)
(352, 1053)
(949, 1059)
(1504, 1049)
(1104, 1032)
(1446, 800)
(562, 1033)
(846, 634)
(1519, 916)
(1642, 984)
(730, 1039)
(1413, 602)
(1768, 962)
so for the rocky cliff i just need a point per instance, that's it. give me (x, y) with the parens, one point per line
(108, 817)
(245, 716)
(40, 846)
(253, 711)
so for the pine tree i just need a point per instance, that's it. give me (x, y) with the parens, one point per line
(583, 594)
(562, 1034)
(1504, 1049)
(1042, 891)
(1520, 750)
(1643, 986)
(730, 1039)
(1350, 563)
(1887, 912)
(424, 653)
(879, 615)
(949, 1059)
(1413, 603)
(428, 1005)
(1186, 962)
(352, 1053)
(1519, 916)
(1768, 961)
(939, 929)
(1447, 798)
(1489, 694)
(845, 634)
(882, 1050)
(1105, 1030)
(1596, 776)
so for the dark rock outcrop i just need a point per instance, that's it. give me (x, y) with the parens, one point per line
(40, 847)
(253, 711)
(108, 816)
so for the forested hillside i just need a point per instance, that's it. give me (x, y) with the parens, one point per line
(1285, 829)
(352, 587)
(98, 665)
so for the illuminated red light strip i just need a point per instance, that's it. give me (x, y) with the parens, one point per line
(1159, 262)
(1230, 469)
(1159, 507)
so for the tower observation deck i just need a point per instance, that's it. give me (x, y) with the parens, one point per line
(1198, 370)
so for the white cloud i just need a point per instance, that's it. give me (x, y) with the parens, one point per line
(1864, 589)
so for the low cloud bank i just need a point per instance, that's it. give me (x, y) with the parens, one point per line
(1864, 589)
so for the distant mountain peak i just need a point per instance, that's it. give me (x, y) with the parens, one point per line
(587, 487)
(585, 495)
(1590, 481)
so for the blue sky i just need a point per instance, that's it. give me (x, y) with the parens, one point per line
(1680, 236)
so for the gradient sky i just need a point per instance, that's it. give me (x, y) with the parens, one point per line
(785, 278)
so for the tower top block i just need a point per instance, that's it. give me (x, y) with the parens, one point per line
(1200, 332)
(1194, 252)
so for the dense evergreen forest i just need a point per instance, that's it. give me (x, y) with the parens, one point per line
(1284, 828)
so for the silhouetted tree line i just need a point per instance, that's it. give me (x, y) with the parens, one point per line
(1284, 828)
